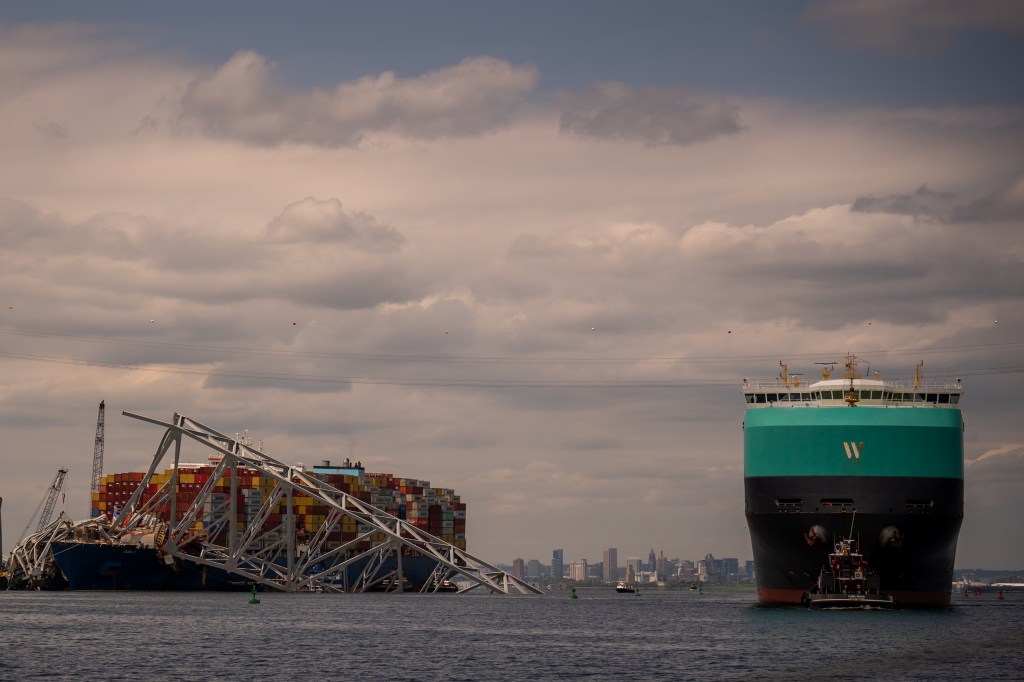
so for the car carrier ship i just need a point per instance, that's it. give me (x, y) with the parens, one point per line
(877, 460)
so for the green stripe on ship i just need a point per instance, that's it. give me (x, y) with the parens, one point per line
(853, 441)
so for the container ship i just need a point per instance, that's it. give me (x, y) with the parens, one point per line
(855, 457)
(90, 562)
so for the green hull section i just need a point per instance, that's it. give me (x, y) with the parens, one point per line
(853, 441)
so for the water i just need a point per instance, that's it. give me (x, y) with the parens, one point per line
(600, 636)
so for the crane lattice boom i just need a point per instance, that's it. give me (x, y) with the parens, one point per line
(97, 452)
(51, 498)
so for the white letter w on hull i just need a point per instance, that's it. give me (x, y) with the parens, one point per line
(852, 451)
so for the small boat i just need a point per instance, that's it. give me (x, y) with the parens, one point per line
(846, 583)
(693, 586)
(624, 588)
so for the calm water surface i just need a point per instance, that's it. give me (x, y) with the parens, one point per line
(600, 636)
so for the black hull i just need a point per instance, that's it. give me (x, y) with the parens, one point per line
(94, 566)
(794, 521)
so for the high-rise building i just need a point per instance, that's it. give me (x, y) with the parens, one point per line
(611, 565)
(533, 568)
(578, 570)
(652, 561)
(519, 568)
(557, 565)
(661, 566)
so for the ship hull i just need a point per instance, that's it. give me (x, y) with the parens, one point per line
(97, 566)
(791, 541)
(891, 478)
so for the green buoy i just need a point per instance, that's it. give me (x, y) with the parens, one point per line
(254, 599)
(574, 593)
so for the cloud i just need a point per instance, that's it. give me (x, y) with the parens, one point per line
(312, 221)
(911, 27)
(923, 202)
(655, 116)
(243, 100)
(996, 463)
(279, 257)
(1004, 204)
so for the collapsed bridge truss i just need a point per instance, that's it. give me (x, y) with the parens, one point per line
(275, 554)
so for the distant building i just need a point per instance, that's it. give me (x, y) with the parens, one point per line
(636, 566)
(652, 562)
(534, 569)
(557, 567)
(611, 565)
(578, 570)
(519, 568)
(748, 570)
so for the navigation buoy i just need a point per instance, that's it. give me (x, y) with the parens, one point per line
(574, 593)
(254, 599)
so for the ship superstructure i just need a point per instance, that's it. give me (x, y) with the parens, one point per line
(883, 455)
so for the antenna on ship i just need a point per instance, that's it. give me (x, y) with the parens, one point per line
(918, 373)
(826, 370)
(851, 366)
(784, 374)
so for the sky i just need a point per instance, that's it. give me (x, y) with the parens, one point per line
(528, 251)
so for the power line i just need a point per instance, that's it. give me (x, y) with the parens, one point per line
(142, 343)
(440, 383)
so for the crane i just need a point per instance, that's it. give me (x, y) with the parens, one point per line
(97, 455)
(47, 503)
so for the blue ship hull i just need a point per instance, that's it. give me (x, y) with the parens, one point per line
(95, 566)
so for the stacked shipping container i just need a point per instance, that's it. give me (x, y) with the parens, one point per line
(439, 511)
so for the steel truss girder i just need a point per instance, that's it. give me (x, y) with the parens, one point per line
(31, 564)
(279, 557)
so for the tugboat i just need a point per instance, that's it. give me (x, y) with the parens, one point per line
(624, 588)
(846, 582)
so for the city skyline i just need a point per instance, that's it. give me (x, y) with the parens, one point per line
(527, 251)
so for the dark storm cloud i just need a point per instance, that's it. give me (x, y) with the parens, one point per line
(911, 27)
(923, 202)
(243, 100)
(312, 221)
(51, 129)
(1004, 204)
(655, 116)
